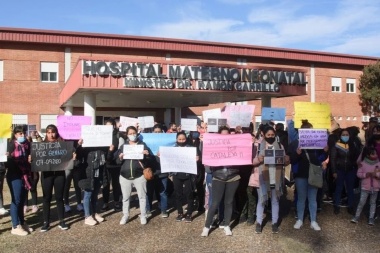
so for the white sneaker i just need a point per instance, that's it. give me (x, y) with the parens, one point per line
(67, 209)
(143, 220)
(124, 220)
(3, 211)
(98, 218)
(314, 225)
(19, 231)
(298, 224)
(205, 232)
(90, 221)
(80, 207)
(227, 230)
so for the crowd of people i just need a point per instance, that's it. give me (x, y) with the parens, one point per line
(349, 165)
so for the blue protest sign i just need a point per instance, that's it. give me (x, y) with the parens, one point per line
(268, 113)
(154, 141)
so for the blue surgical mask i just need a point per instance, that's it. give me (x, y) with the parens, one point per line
(132, 137)
(345, 138)
(21, 139)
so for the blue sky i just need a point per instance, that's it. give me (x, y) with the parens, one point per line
(340, 26)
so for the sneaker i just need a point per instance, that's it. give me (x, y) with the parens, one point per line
(67, 208)
(90, 221)
(80, 207)
(205, 232)
(221, 224)
(188, 218)
(27, 228)
(227, 230)
(371, 221)
(336, 210)
(105, 207)
(148, 214)
(98, 218)
(298, 224)
(34, 209)
(180, 217)
(258, 228)
(143, 220)
(124, 220)
(250, 221)
(355, 219)
(164, 215)
(19, 231)
(62, 225)
(328, 199)
(3, 211)
(45, 227)
(274, 228)
(314, 225)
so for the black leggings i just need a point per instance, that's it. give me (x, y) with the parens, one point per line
(114, 175)
(220, 188)
(50, 180)
(183, 187)
(2, 176)
(75, 174)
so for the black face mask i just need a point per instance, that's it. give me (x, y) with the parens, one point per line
(270, 140)
(181, 144)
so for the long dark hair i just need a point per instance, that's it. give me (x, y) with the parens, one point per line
(54, 130)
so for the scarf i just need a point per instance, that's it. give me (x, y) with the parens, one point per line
(20, 156)
(370, 162)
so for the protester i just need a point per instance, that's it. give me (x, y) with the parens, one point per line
(172, 128)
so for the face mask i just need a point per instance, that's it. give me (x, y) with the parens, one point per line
(132, 137)
(270, 140)
(181, 144)
(20, 139)
(345, 138)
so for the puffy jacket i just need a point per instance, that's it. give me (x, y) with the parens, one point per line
(367, 182)
(130, 168)
(341, 158)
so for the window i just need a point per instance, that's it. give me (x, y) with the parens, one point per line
(49, 72)
(168, 57)
(1, 71)
(348, 118)
(350, 85)
(241, 61)
(336, 83)
(339, 117)
(47, 119)
(354, 118)
(20, 119)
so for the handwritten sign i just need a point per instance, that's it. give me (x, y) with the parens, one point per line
(238, 115)
(224, 150)
(178, 159)
(155, 141)
(312, 138)
(3, 149)
(318, 114)
(97, 135)
(146, 122)
(69, 127)
(213, 124)
(269, 113)
(6, 125)
(134, 152)
(52, 156)
(126, 122)
(189, 124)
(213, 113)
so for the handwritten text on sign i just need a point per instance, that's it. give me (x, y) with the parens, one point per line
(134, 152)
(69, 127)
(52, 156)
(318, 114)
(97, 136)
(189, 124)
(178, 159)
(238, 115)
(223, 150)
(312, 138)
(126, 122)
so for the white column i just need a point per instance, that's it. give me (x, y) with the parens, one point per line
(177, 115)
(167, 116)
(67, 63)
(69, 111)
(266, 101)
(312, 83)
(90, 106)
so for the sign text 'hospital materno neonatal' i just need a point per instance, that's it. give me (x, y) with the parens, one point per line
(146, 75)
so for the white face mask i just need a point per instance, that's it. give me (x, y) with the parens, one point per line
(132, 137)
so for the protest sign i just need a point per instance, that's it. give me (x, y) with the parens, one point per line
(238, 115)
(213, 113)
(178, 159)
(6, 125)
(312, 138)
(155, 141)
(69, 127)
(134, 152)
(189, 124)
(318, 114)
(52, 156)
(269, 113)
(225, 150)
(126, 122)
(3, 149)
(146, 122)
(213, 124)
(272, 156)
(97, 136)
(32, 131)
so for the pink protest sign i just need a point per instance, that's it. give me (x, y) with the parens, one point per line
(238, 115)
(224, 150)
(69, 127)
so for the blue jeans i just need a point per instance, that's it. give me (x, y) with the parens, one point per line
(158, 186)
(18, 194)
(345, 178)
(306, 191)
(90, 199)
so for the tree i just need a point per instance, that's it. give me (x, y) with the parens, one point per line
(369, 86)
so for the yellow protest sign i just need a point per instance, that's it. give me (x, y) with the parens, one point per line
(318, 114)
(5, 125)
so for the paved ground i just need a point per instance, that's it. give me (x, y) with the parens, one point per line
(167, 235)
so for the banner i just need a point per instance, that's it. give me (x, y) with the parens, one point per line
(69, 127)
(224, 150)
(97, 136)
(155, 141)
(126, 122)
(318, 114)
(133, 152)
(52, 156)
(213, 113)
(146, 122)
(312, 138)
(6, 125)
(214, 124)
(238, 115)
(269, 113)
(189, 124)
(3, 149)
(178, 159)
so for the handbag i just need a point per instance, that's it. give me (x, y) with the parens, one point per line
(147, 172)
(315, 174)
